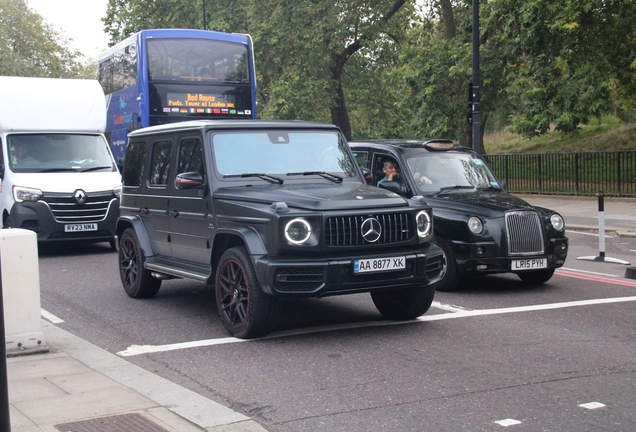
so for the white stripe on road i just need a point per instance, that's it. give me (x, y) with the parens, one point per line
(145, 349)
(50, 317)
(589, 272)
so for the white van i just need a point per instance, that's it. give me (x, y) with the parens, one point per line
(58, 177)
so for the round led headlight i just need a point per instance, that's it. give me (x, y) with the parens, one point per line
(424, 225)
(475, 225)
(557, 222)
(297, 231)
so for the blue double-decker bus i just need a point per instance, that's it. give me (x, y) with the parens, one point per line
(168, 75)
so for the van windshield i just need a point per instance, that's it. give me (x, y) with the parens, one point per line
(58, 153)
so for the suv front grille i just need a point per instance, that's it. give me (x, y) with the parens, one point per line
(347, 230)
(525, 235)
(66, 209)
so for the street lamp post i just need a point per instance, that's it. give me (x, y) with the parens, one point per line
(476, 111)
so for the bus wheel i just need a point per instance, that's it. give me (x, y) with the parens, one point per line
(246, 311)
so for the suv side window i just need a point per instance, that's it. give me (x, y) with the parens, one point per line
(160, 163)
(191, 156)
(134, 164)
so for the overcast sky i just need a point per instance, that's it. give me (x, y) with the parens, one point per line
(79, 20)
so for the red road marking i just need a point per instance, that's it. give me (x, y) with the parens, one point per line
(595, 278)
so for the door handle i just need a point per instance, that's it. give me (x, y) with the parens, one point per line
(174, 213)
(145, 210)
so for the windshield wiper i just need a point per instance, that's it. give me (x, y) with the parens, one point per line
(455, 187)
(96, 168)
(335, 178)
(497, 188)
(263, 176)
(59, 170)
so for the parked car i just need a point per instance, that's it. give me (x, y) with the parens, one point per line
(268, 209)
(481, 228)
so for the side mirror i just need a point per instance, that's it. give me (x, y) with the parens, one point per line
(393, 187)
(504, 185)
(189, 180)
(368, 175)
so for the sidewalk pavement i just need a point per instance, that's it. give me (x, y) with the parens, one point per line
(78, 387)
(582, 213)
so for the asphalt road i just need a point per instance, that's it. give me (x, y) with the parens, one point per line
(559, 356)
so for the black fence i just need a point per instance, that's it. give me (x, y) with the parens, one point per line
(611, 173)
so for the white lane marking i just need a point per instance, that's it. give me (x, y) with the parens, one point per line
(50, 317)
(508, 422)
(447, 307)
(589, 233)
(592, 405)
(588, 272)
(145, 349)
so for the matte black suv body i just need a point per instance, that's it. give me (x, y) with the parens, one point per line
(481, 228)
(264, 209)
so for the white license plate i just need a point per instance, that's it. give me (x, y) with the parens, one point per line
(379, 264)
(80, 227)
(529, 264)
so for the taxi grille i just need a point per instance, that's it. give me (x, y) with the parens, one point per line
(66, 209)
(525, 235)
(347, 230)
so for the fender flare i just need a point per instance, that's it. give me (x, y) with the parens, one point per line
(137, 224)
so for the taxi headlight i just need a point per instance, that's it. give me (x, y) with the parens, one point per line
(475, 225)
(424, 224)
(297, 231)
(557, 222)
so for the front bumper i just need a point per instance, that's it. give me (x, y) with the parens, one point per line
(334, 276)
(488, 258)
(37, 217)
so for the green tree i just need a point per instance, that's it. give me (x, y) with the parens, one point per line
(30, 47)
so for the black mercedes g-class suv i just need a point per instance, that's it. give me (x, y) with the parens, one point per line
(264, 209)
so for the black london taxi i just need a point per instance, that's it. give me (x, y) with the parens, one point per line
(481, 228)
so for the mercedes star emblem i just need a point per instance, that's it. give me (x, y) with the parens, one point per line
(371, 230)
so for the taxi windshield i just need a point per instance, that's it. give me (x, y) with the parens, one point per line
(434, 172)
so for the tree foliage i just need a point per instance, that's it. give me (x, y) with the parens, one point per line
(30, 47)
(376, 68)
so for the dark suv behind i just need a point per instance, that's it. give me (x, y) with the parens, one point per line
(265, 209)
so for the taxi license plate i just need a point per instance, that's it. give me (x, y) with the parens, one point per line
(80, 227)
(379, 264)
(529, 264)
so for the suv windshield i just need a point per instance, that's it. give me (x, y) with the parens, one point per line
(449, 171)
(58, 153)
(281, 152)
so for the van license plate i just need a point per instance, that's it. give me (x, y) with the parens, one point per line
(529, 264)
(379, 264)
(80, 227)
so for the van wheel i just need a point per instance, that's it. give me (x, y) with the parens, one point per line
(137, 281)
(246, 311)
(404, 304)
(6, 223)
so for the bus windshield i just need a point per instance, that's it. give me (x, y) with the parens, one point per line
(201, 60)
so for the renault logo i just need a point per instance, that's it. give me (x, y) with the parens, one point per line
(80, 196)
(371, 230)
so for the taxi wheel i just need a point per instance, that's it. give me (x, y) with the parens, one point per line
(136, 280)
(451, 280)
(404, 304)
(246, 311)
(536, 276)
